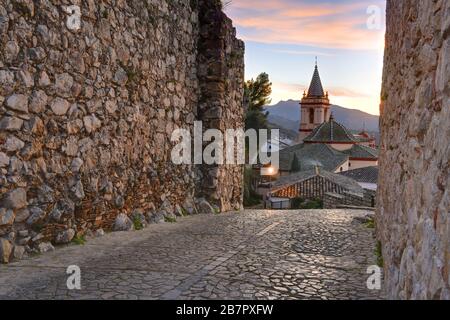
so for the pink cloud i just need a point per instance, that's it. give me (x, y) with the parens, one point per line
(333, 91)
(322, 25)
(304, 53)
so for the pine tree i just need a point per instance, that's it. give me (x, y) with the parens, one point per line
(257, 96)
(295, 166)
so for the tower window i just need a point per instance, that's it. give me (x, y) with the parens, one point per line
(311, 115)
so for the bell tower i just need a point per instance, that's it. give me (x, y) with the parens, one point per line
(314, 106)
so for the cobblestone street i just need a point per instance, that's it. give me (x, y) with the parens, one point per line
(311, 254)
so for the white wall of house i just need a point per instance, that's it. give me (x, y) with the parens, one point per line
(368, 186)
(341, 146)
(280, 203)
(343, 167)
(357, 164)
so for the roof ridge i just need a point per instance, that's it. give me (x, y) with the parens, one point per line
(347, 132)
(359, 150)
(307, 173)
(291, 148)
(316, 131)
(331, 130)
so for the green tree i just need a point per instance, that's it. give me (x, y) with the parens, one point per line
(251, 197)
(255, 119)
(295, 166)
(256, 96)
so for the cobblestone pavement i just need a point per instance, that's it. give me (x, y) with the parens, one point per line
(256, 254)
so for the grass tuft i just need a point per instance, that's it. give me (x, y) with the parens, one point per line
(379, 254)
(79, 240)
(370, 224)
(137, 223)
(170, 219)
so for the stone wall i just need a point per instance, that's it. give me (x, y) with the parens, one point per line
(334, 200)
(413, 197)
(87, 115)
(221, 74)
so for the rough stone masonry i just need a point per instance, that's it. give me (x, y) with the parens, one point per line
(414, 202)
(87, 115)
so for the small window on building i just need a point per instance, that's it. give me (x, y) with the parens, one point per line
(349, 164)
(311, 115)
(342, 169)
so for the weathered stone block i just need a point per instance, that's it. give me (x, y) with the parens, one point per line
(38, 101)
(13, 144)
(60, 106)
(36, 215)
(205, 207)
(5, 250)
(15, 199)
(44, 247)
(65, 236)
(6, 217)
(11, 124)
(18, 252)
(18, 102)
(4, 160)
(123, 223)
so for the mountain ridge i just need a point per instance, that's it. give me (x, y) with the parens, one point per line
(287, 115)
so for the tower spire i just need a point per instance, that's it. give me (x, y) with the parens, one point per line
(316, 88)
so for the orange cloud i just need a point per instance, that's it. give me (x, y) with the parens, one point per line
(297, 89)
(303, 53)
(323, 25)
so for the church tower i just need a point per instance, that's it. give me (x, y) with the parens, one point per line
(315, 107)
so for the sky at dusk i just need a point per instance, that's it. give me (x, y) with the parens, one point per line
(283, 37)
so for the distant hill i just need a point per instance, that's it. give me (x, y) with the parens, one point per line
(289, 125)
(284, 133)
(286, 114)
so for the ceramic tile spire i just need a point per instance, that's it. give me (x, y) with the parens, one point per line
(315, 88)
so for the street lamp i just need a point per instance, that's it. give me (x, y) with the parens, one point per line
(269, 172)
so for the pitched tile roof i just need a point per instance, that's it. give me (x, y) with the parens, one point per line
(343, 181)
(362, 152)
(365, 175)
(363, 139)
(312, 155)
(330, 131)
